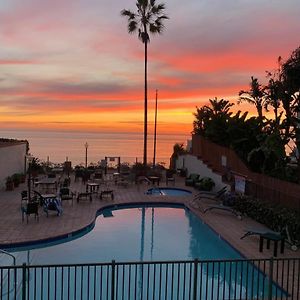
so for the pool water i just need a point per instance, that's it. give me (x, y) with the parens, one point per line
(168, 191)
(143, 234)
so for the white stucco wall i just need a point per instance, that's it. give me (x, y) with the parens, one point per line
(195, 165)
(12, 160)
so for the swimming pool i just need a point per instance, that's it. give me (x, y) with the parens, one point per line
(165, 191)
(149, 232)
(145, 233)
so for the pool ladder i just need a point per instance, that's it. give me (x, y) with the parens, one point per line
(14, 287)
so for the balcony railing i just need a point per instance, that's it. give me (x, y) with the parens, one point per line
(174, 280)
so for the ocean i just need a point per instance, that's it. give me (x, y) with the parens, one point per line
(61, 146)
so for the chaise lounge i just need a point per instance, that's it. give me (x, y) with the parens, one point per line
(268, 235)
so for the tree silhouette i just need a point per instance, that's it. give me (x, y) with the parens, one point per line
(254, 96)
(148, 19)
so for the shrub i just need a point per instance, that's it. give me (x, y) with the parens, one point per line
(206, 184)
(277, 218)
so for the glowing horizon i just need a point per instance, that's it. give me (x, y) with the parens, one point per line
(71, 64)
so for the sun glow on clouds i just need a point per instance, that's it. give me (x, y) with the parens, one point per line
(72, 65)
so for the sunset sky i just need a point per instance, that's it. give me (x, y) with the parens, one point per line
(71, 64)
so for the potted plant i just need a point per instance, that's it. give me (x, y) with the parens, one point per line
(9, 183)
(22, 177)
(16, 179)
(205, 184)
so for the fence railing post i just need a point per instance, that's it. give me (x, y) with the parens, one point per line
(195, 278)
(24, 270)
(270, 284)
(113, 272)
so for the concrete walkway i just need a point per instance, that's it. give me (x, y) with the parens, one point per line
(83, 213)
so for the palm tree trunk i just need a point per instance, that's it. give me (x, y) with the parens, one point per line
(260, 112)
(145, 109)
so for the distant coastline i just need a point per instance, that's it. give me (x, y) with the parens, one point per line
(59, 146)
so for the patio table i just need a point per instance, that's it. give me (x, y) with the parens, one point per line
(154, 179)
(92, 187)
(47, 184)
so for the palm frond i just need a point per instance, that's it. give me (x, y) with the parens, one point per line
(127, 13)
(247, 99)
(154, 28)
(132, 26)
(148, 19)
(161, 7)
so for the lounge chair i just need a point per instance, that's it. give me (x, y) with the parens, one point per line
(191, 179)
(224, 208)
(217, 196)
(209, 195)
(259, 231)
(269, 235)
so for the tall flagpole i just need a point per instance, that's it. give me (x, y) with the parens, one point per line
(155, 124)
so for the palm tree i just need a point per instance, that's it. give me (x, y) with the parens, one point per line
(219, 107)
(255, 96)
(147, 19)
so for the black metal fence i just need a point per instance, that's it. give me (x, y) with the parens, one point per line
(174, 280)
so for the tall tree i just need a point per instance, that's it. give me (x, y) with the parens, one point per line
(211, 120)
(290, 78)
(274, 93)
(148, 19)
(254, 96)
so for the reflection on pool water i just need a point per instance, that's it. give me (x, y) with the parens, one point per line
(143, 234)
(168, 191)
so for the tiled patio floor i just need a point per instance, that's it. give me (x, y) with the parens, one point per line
(79, 215)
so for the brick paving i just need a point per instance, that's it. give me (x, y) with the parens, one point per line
(83, 213)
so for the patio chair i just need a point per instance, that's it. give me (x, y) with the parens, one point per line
(30, 208)
(51, 175)
(39, 197)
(24, 197)
(66, 183)
(98, 175)
(122, 181)
(191, 179)
(170, 177)
(66, 194)
(52, 204)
